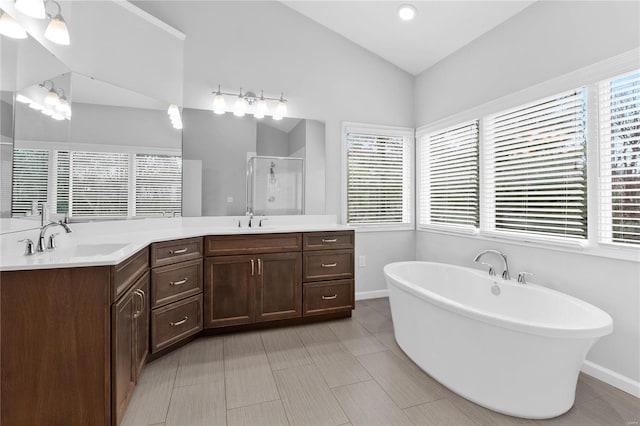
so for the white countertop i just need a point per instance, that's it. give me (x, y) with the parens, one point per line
(111, 242)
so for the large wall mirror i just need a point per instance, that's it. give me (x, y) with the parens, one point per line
(238, 165)
(99, 151)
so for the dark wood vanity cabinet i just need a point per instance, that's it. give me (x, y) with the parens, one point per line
(130, 342)
(176, 291)
(257, 278)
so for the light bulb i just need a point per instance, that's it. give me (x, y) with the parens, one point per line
(57, 31)
(261, 108)
(23, 99)
(33, 8)
(407, 12)
(36, 106)
(52, 98)
(173, 110)
(281, 108)
(9, 27)
(240, 107)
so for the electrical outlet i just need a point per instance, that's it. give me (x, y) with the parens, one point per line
(362, 261)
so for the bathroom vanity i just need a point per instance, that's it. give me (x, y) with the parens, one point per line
(76, 334)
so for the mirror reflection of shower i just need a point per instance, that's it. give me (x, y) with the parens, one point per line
(275, 185)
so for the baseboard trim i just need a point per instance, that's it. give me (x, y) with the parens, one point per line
(616, 380)
(364, 295)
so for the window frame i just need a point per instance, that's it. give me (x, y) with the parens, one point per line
(405, 132)
(589, 76)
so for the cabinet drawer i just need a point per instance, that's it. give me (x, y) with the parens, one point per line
(176, 321)
(127, 272)
(252, 244)
(174, 282)
(327, 297)
(328, 265)
(327, 240)
(169, 252)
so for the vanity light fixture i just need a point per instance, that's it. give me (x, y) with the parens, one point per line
(261, 107)
(240, 106)
(10, 27)
(407, 12)
(249, 99)
(281, 108)
(33, 8)
(174, 116)
(219, 103)
(52, 97)
(57, 30)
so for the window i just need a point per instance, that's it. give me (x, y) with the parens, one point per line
(30, 179)
(619, 110)
(97, 184)
(449, 177)
(379, 176)
(535, 168)
(158, 185)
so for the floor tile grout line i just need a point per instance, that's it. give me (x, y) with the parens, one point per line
(175, 375)
(264, 348)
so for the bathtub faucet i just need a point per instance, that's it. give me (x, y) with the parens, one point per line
(505, 273)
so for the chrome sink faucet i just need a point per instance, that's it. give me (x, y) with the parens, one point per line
(505, 273)
(42, 247)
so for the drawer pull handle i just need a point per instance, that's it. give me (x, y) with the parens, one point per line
(182, 281)
(329, 240)
(182, 321)
(180, 251)
(253, 267)
(329, 265)
(329, 297)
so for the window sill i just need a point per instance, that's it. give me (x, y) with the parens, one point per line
(383, 228)
(599, 250)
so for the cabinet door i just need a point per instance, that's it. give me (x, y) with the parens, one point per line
(141, 324)
(278, 286)
(122, 359)
(229, 290)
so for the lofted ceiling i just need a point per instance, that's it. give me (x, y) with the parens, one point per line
(439, 28)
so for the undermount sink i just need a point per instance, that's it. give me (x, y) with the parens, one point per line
(91, 249)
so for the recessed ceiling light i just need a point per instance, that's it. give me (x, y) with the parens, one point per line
(407, 12)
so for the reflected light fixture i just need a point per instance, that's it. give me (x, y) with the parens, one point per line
(33, 8)
(174, 116)
(240, 106)
(63, 104)
(36, 106)
(250, 103)
(407, 12)
(52, 97)
(10, 27)
(57, 30)
(47, 112)
(23, 99)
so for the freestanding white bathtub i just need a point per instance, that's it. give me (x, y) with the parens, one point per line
(513, 348)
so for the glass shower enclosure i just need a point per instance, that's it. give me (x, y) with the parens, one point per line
(275, 186)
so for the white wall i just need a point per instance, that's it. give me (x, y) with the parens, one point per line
(546, 40)
(265, 45)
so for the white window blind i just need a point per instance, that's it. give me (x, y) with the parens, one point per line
(449, 177)
(619, 111)
(158, 185)
(535, 168)
(30, 179)
(378, 178)
(99, 184)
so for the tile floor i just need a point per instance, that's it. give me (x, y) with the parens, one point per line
(335, 373)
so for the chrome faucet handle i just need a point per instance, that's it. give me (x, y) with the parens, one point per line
(263, 219)
(52, 241)
(492, 269)
(29, 249)
(522, 277)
